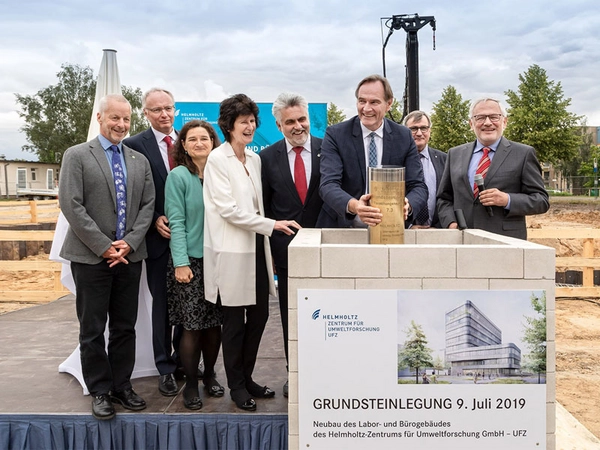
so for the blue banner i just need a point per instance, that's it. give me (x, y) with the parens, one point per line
(267, 134)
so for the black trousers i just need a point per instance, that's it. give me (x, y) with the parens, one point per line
(162, 331)
(243, 327)
(107, 292)
(282, 291)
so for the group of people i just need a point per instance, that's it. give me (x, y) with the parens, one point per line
(213, 222)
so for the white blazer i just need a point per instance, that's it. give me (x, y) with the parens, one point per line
(231, 222)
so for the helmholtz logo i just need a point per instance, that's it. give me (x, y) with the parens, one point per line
(338, 325)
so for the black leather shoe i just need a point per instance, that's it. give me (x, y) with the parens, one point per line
(191, 399)
(102, 407)
(167, 385)
(243, 400)
(213, 387)
(259, 391)
(286, 388)
(128, 399)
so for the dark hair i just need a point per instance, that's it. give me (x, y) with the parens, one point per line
(180, 155)
(388, 94)
(233, 107)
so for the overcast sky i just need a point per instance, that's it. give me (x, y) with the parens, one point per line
(206, 50)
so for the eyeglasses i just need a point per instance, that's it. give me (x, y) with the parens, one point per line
(423, 129)
(480, 118)
(167, 109)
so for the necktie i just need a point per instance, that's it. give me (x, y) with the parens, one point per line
(169, 142)
(372, 150)
(300, 174)
(120, 190)
(422, 217)
(482, 168)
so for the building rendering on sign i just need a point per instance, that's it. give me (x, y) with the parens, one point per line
(474, 344)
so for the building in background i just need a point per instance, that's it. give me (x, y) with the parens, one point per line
(28, 179)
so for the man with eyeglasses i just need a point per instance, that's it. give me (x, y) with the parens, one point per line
(433, 161)
(366, 140)
(512, 185)
(155, 144)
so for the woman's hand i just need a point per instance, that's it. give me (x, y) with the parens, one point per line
(183, 274)
(286, 226)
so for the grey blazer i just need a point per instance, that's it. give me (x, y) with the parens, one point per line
(88, 201)
(514, 170)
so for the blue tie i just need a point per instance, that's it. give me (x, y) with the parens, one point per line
(121, 191)
(372, 151)
(422, 217)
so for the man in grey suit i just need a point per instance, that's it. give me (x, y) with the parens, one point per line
(107, 196)
(513, 183)
(290, 182)
(350, 147)
(433, 161)
(155, 144)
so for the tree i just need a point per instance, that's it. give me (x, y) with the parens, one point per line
(535, 336)
(538, 117)
(334, 115)
(58, 116)
(395, 114)
(415, 353)
(581, 165)
(450, 121)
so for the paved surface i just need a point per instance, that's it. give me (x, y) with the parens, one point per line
(34, 341)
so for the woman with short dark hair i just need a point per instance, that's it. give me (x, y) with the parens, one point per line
(237, 257)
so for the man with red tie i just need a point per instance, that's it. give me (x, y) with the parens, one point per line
(512, 185)
(155, 143)
(290, 182)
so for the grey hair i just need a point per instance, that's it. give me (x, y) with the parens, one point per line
(486, 99)
(152, 91)
(287, 100)
(416, 116)
(116, 97)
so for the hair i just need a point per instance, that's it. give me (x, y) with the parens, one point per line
(388, 94)
(152, 91)
(287, 100)
(233, 107)
(416, 116)
(180, 156)
(486, 99)
(114, 97)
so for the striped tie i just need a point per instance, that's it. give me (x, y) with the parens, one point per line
(482, 168)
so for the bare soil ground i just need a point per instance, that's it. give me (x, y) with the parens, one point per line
(577, 321)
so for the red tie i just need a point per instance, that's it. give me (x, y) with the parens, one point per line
(300, 174)
(169, 142)
(482, 168)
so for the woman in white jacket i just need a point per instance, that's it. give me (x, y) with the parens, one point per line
(238, 271)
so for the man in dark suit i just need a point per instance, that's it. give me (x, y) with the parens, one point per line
(350, 147)
(433, 161)
(107, 196)
(512, 175)
(154, 144)
(290, 181)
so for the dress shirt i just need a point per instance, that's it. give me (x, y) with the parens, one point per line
(306, 158)
(162, 145)
(477, 154)
(430, 181)
(378, 143)
(105, 143)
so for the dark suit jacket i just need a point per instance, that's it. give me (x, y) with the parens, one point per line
(145, 143)
(514, 170)
(343, 168)
(281, 199)
(88, 201)
(438, 159)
